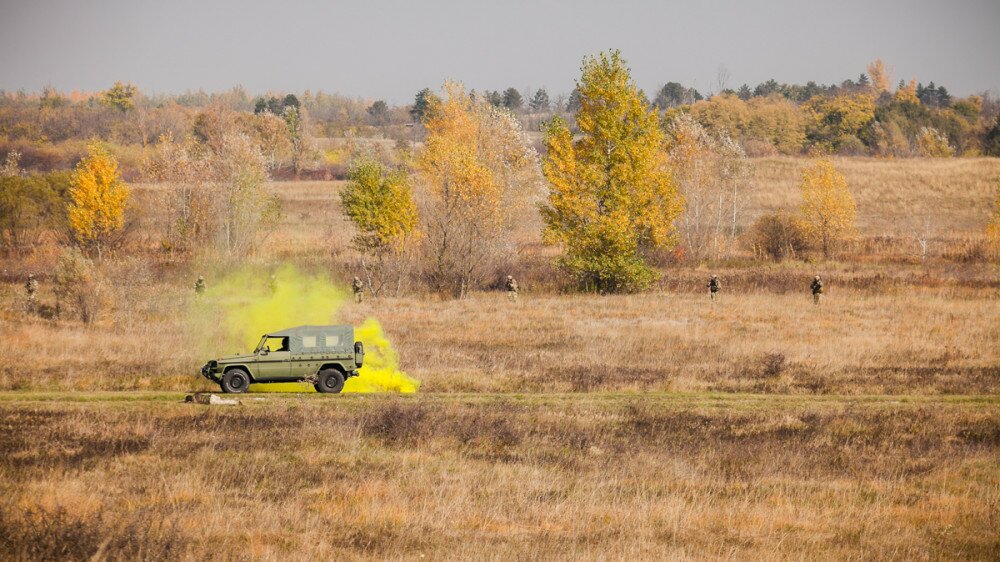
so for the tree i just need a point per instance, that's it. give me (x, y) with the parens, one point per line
(98, 199)
(931, 143)
(540, 101)
(298, 136)
(476, 174)
(881, 76)
(611, 197)
(670, 95)
(379, 112)
(991, 141)
(121, 96)
(573, 104)
(512, 99)
(239, 171)
(907, 93)
(828, 208)
(421, 104)
(835, 120)
(380, 204)
(78, 286)
(30, 206)
(711, 172)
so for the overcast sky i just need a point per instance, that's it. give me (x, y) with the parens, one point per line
(390, 49)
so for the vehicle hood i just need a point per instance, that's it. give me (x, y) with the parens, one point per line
(241, 358)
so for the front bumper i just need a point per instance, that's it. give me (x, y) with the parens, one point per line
(211, 371)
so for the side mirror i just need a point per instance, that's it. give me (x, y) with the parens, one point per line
(264, 351)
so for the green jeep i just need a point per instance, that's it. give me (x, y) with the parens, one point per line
(324, 355)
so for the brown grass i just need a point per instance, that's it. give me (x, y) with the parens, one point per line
(491, 477)
(562, 426)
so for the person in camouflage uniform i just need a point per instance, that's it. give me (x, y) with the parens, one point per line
(817, 289)
(199, 286)
(359, 290)
(713, 287)
(31, 287)
(511, 286)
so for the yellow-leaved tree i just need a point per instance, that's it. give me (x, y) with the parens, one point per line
(611, 194)
(881, 76)
(476, 174)
(98, 199)
(828, 208)
(379, 201)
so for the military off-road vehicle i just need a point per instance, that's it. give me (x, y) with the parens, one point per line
(325, 356)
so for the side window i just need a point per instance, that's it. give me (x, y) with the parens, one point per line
(332, 340)
(276, 344)
(308, 342)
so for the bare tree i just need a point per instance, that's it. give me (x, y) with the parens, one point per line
(713, 173)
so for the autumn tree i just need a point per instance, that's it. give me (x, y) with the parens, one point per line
(239, 172)
(838, 120)
(933, 144)
(295, 122)
(121, 96)
(712, 174)
(880, 75)
(216, 193)
(98, 199)
(476, 174)
(611, 195)
(828, 208)
(380, 203)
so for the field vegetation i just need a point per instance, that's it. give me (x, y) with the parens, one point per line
(609, 409)
(520, 476)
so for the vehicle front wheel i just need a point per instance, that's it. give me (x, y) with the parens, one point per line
(330, 381)
(235, 381)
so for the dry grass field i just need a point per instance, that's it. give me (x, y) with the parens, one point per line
(561, 426)
(658, 476)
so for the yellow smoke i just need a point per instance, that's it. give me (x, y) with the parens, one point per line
(237, 309)
(380, 372)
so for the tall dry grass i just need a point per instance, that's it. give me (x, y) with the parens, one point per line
(500, 478)
(886, 338)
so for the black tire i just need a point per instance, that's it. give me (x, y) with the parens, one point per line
(235, 381)
(330, 381)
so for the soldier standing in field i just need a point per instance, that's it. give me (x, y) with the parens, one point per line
(713, 287)
(199, 286)
(31, 287)
(817, 289)
(511, 285)
(359, 290)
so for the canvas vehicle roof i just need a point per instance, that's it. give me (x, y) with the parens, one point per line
(305, 330)
(317, 339)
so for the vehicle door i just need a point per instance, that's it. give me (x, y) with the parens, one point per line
(274, 360)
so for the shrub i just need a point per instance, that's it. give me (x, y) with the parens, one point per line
(78, 287)
(778, 235)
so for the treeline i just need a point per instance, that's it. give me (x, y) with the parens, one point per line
(863, 116)
(620, 191)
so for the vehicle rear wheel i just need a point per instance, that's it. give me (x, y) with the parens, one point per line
(330, 381)
(235, 381)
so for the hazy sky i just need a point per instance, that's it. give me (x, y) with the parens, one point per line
(391, 49)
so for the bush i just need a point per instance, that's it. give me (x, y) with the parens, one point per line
(78, 288)
(778, 235)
